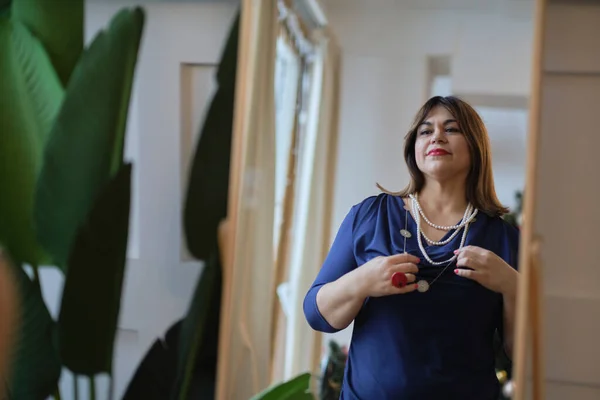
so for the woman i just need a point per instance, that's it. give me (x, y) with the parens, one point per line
(427, 274)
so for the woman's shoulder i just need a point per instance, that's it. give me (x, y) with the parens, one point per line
(374, 207)
(506, 227)
(377, 203)
(509, 232)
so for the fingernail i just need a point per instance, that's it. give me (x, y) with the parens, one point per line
(416, 285)
(456, 271)
(455, 251)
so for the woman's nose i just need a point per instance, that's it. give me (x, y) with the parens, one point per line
(438, 136)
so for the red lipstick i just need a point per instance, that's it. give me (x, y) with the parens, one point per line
(437, 152)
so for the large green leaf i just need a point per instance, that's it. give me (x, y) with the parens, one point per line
(5, 7)
(31, 95)
(207, 192)
(58, 25)
(86, 143)
(92, 293)
(194, 325)
(36, 367)
(294, 389)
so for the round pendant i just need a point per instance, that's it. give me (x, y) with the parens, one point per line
(422, 286)
(405, 233)
(399, 279)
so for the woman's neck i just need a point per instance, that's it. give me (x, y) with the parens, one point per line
(443, 198)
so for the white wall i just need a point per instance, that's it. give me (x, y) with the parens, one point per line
(181, 46)
(387, 46)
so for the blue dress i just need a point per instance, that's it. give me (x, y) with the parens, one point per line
(417, 346)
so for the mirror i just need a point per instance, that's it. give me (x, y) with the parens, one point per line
(397, 56)
(486, 92)
(339, 130)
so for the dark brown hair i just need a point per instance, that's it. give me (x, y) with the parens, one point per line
(480, 180)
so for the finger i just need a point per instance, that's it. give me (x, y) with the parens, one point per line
(404, 258)
(407, 289)
(473, 252)
(405, 267)
(473, 257)
(469, 274)
(470, 249)
(410, 278)
(466, 261)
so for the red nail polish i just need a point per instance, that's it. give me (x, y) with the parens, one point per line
(456, 271)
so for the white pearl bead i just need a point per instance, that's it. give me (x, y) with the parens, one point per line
(469, 215)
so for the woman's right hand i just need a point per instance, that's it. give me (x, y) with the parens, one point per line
(374, 278)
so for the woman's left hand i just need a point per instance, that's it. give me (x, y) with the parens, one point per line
(487, 269)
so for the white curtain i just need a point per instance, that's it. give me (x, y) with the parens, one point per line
(287, 73)
(247, 236)
(312, 217)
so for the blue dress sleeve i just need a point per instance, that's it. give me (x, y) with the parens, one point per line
(339, 261)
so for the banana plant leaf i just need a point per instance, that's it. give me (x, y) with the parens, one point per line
(30, 100)
(85, 148)
(294, 389)
(93, 284)
(155, 375)
(59, 27)
(4, 7)
(35, 366)
(206, 206)
(196, 325)
(207, 193)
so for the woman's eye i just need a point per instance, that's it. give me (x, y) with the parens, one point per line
(425, 132)
(454, 130)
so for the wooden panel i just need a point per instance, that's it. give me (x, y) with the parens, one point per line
(571, 333)
(567, 214)
(566, 205)
(571, 37)
(246, 240)
(561, 391)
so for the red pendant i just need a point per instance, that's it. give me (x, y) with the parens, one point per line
(399, 279)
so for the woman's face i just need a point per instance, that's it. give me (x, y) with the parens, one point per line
(441, 149)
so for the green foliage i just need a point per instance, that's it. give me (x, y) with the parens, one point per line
(193, 327)
(208, 188)
(42, 18)
(4, 7)
(514, 216)
(36, 364)
(86, 143)
(66, 190)
(92, 293)
(297, 388)
(31, 95)
(333, 374)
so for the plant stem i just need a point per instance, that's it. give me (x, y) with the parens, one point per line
(75, 387)
(111, 387)
(36, 275)
(92, 388)
(56, 393)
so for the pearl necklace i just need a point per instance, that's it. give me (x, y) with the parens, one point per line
(470, 213)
